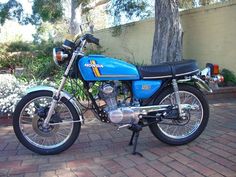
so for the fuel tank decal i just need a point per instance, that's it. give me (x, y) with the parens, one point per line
(95, 69)
(91, 64)
(99, 68)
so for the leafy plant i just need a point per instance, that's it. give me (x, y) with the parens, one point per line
(19, 46)
(23, 54)
(10, 60)
(229, 77)
(11, 91)
(94, 50)
(39, 68)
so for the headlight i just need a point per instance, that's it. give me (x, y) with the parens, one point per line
(59, 56)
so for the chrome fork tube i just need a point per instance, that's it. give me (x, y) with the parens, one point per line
(56, 96)
(177, 97)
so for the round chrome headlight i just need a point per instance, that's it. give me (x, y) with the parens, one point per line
(59, 56)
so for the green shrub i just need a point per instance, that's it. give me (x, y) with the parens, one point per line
(19, 46)
(21, 53)
(229, 77)
(11, 91)
(38, 64)
(40, 68)
(45, 48)
(98, 50)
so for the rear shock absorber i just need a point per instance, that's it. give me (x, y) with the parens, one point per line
(177, 97)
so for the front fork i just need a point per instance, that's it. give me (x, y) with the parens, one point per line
(56, 96)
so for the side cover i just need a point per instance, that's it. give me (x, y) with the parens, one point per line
(144, 89)
(100, 68)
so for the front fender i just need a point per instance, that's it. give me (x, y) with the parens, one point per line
(199, 82)
(64, 94)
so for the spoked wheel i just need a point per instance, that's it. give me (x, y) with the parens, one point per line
(54, 138)
(186, 128)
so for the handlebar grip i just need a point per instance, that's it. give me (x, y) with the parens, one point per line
(91, 39)
(95, 40)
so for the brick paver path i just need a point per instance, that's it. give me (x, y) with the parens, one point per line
(103, 151)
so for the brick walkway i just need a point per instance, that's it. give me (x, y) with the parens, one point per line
(103, 151)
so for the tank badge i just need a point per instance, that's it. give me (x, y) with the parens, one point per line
(95, 67)
(93, 64)
(146, 87)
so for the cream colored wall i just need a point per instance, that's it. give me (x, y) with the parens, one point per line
(209, 36)
(134, 43)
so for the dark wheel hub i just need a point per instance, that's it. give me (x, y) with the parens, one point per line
(45, 131)
(183, 120)
(42, 112)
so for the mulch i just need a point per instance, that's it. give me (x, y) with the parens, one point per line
(5, 120)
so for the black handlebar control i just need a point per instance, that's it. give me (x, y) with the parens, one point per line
(91, 39)
(68, 44)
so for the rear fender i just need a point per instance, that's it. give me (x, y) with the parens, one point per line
(198, 82)
(64, 94)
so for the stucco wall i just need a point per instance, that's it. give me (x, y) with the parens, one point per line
(209, 36)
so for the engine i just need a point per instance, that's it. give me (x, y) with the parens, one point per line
(118, 113)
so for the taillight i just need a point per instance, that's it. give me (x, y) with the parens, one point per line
(212, 73)
(216, 69)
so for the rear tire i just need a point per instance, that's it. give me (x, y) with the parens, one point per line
(163, 133)
(26, 125)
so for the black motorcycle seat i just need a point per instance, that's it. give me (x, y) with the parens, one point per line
(169, 70)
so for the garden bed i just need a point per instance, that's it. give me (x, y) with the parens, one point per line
(5, 120)
(222, 92)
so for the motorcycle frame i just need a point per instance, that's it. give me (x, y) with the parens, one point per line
(174, 81)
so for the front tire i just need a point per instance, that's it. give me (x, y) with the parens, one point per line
(177, 134)
(28, 118)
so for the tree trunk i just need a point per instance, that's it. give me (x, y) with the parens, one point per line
(167, 44)
(74, 5)
(205, 2)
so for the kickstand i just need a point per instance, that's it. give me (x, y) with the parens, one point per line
(135, 129)
(131, 140)
(135, 144)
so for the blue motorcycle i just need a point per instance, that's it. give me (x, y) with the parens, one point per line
(167, 98)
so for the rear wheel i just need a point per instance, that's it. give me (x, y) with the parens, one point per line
(28, 119)
(182, 131)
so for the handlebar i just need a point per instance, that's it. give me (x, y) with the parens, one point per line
(81, 41)
(91, 39)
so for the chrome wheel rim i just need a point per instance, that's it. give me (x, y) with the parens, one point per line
(176, 130)
(31, 124)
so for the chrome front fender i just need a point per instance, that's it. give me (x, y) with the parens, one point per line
(64, 94)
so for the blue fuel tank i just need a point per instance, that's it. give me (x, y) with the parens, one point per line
(101, 68)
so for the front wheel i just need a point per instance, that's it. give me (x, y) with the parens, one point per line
(28, 119)
(180, 132)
